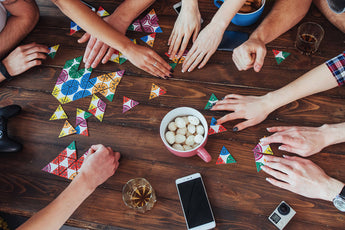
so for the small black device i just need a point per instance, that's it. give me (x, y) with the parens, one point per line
(7, 145)
(281, 216)
(232, 39)
(339, 200)
(196, 207)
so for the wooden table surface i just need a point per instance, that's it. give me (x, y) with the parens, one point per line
(240, 197)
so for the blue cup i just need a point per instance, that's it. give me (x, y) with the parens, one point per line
(244, 19)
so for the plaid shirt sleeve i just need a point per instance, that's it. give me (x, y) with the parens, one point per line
(337, 66)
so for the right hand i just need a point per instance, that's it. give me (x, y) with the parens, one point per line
(99, 155)
(25, 57)
(250, 54)
(148, 60)
(252, 108)
(188, 22)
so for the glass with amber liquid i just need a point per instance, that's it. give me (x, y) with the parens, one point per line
(309, 36)
(138, 194)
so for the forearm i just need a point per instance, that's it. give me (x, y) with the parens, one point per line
(93, 24)
(226, 12)
(283, 16)
(57, 212)
(316, 80)
(129, 10)
(24, 16)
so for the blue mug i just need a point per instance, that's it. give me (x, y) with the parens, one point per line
(244, 19)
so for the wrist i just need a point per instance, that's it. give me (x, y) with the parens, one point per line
(333, 133)
(258, 36)
(5, 72)
(271, 101)
(84, 184)
(193, 4)
(332, 188)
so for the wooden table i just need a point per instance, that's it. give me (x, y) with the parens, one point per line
(240, 197)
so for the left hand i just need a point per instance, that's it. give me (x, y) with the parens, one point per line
(304, 141)
(96, 50)
(301, 176)
(252, 108)
(203, 48)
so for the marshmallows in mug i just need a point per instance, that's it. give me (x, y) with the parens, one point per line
(185, 133)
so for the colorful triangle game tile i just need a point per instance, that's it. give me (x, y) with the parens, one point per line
(149, 39)
(266, 149)
(173, 65)
(135, 26)
(97, 107)
(102, 12)
(115, 57)
(211, 102)
(128, 104)
(183, 57)
(67, 129)
(82, 116)
(82, 129)
(280, 55)
(259, 160)
(74, 28)
(175, 60)
(58, 114)
(215, 128)
(70, 151)
(150, 23)
(156, 91)
(225, 157)
(53, 50)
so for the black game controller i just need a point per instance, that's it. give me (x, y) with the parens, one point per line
(7, 145)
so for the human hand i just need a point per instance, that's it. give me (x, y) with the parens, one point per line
(25, 57)
(250, 54)
(304, 141)
(203, 48)
(187, 23)
(96, 50)
(301, 176)
(99, 155)
(148, 60)
(252, 108)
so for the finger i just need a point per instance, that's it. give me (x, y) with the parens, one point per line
(278, 138)
(171, 37)
(172, 41)
(150, 71)
(234, 96)
(27, 46)
(277, 183)
(99, 56)
(94, 148)
(84, 38)
(246, 58)
(291, 149)
(160, 67)
(117, 156)
(191, 56)
(88, 48)
(228, 117)
(237, 62)
(203, 63)
(35, 49)
(227, 107)
(176, 45)
(276, 174)
(227, 101)
(197, 61)
(278, 129)
(285, 160)
(279, 167)
(108, 55)
(33, 63)
(94, 52)
(259, 60)
(34, 56)
(165, 66)
(183, 45)
(244, 124)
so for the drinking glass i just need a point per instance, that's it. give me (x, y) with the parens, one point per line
(309, 36)
(139, 195)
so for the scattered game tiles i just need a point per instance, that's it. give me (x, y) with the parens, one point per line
(148, 24)
(215, 128)
(149, 39)
(67, 130)
(97, 107)
(102, 12)
(259, 153)
(128, 104)
(74, 28)
(225, 157)
(280, 55)
(53, 50)
(81, 123)
(156, 91)
(58, 114)
(211, 102)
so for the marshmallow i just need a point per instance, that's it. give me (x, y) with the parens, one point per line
(172, 126)
(178, 147)
(193, 120)
(191, 128)
(180, 122)
(170, 137)
(198, 138)
(190, 140)
(200, 130)
(182, 131)
(180, 139)
(187, 147)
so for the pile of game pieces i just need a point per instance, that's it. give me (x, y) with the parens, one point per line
(259, 152)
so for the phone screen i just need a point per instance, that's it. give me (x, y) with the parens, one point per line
(195, 203)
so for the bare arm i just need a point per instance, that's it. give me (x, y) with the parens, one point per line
(24, 16)
(57, 212)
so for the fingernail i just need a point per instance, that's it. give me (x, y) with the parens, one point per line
(281, 148)
(284, 156)
(182, 71)
(235, 129)
(171, 70)
(223, 98)
(189, 70)
(170, 75)
(268, 179)
(268, 129)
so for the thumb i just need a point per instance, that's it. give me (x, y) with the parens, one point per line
(84, 38)
(259, 60)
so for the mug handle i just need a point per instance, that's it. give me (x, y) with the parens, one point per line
(217, 3)
(203, 154)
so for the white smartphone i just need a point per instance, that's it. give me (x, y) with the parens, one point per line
(177, 8)
(195, 204)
